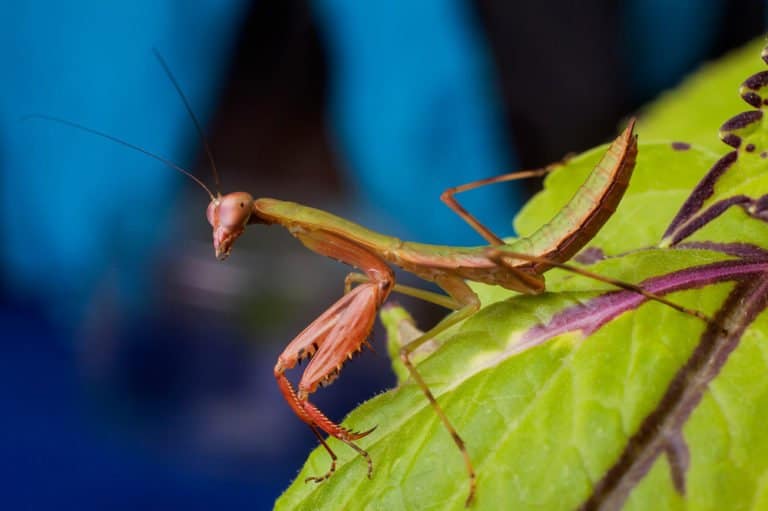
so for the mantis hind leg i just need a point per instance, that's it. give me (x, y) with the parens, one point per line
(501, 257)
(448, 197)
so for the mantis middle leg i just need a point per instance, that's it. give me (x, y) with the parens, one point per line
(466, 304)
(463, 302)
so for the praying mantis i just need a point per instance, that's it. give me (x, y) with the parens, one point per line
(343, 329)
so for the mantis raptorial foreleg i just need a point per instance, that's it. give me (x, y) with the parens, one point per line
(331, 339)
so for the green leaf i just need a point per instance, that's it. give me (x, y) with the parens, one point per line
(694, 110)
(554, 404)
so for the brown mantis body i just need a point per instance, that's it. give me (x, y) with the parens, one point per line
(342, 330)
(330, 340)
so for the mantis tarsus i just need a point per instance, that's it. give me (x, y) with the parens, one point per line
(343, 329)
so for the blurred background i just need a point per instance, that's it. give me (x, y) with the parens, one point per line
(135, 369)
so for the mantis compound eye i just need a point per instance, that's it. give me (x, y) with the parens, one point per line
(235, 210)
(228, 216)
(211, 212)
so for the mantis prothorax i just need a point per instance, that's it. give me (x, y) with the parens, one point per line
(342, 330)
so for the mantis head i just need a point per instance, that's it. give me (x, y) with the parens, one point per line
(228, 215)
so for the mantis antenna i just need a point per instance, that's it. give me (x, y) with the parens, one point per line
(92, 131)
(192, 115)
